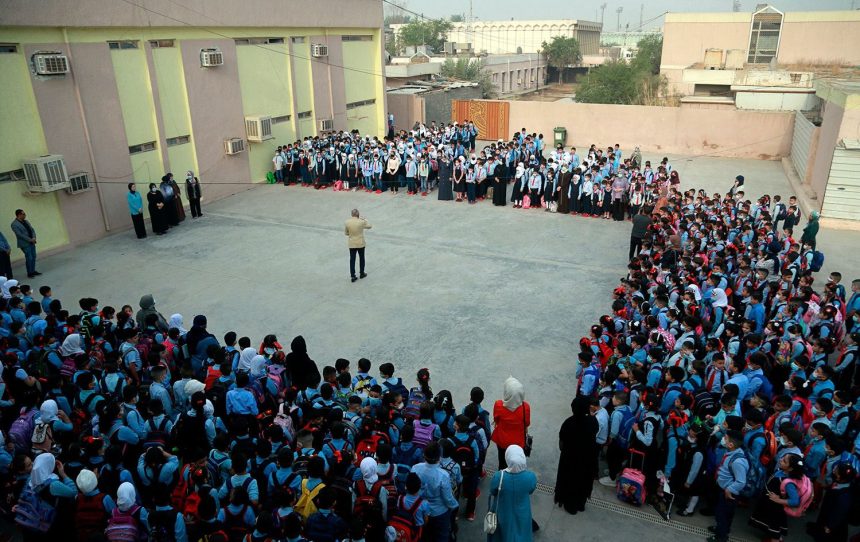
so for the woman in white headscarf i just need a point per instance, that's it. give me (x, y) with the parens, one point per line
(511, 419)
(365, 487)
(510, 498)
(50, 414)
(719, 302)
(176, 322)
(258, 366)
(246, 359)
(48, 481)
(72, 346)
(192, 190)
(6, 285)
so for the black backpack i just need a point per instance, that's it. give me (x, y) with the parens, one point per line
(218, 395)
(464, 455)
(162, 525)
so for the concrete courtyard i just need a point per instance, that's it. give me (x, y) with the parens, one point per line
(474, 293)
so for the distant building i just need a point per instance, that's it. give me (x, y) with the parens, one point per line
(504, 37)
(516, 73)
(759, 60)
(626, 39)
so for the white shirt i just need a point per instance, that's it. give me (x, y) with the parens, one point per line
(602, 426)
(278, 161)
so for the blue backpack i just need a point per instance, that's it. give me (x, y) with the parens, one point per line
(33, 513)
(817, 261)
(625, 428)
(766, 387)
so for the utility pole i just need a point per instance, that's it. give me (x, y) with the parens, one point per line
(641, 16)
(736, 6)
(618, 10)
(602, 12)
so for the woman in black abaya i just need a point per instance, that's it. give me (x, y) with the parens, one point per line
(577, 465)
(155, 201)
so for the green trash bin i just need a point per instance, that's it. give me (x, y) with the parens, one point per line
(560, 135)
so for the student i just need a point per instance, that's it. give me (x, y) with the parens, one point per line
(689, 479)
(325, 525)
(467, 453)
(731, 477)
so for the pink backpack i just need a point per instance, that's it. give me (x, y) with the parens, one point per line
(423, 434)
(338, 186)
(527, 202)
(804, 487)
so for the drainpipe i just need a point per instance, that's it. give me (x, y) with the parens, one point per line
(86, 133)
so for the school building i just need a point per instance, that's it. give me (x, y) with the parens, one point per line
(99, 93)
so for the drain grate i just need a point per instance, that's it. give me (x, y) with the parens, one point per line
(637, 513)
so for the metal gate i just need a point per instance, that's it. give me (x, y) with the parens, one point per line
(490, 117)
(842, 196)
(804, 136)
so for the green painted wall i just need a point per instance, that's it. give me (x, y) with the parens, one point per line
(358, 55)
(22, 137)
(135, 95)
(362, 119)
(264, 77)
(304, 86)
(167, 64)
(181, 159)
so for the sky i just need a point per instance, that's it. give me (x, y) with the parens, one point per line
(590, 9)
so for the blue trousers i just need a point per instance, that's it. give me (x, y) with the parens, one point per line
(724, 513)
(30, 258)
(438, 528)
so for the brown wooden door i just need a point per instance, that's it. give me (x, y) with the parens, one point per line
(490, 117)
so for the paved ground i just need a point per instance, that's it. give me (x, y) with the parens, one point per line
(475, 293)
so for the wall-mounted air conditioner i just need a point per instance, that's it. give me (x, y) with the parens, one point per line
(258, 128)
(79, 182)
(50, 63)
(46, 173)
(319, 50)
(209, 58)
(234, 145)
(326, 125)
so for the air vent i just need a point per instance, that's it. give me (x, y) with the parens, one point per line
(79, 182)
(209, 58)
(46, 173)
(234, 145)
(319, 50)
(258, 128)
(50, 64)
(326, 125)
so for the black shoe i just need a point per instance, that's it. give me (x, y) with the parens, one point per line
(361, 276)
(29, 276)
(712, 529)
(354, 279)
(36, 273)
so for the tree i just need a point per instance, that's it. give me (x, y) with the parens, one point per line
(561, 52)
(456, 18)
(649, 53)
(615, 82)
(468, 69)
(424, 32)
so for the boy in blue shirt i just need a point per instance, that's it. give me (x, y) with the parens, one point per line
(588, 374)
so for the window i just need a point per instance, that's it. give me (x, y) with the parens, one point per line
(124, 44)
(178, 140)
(764, 35)
(12, 176)
(282, 118)
(305, 115)
(297, 39)
(257, 41)
(8, 48)
(361, 103)
(361, 37)
(157, 44)
(143, 147)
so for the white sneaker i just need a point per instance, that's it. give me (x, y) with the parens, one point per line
(607, 481)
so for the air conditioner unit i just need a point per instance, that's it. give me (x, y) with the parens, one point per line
(52, 63)
(46, 173)
(326, 125)
(318, 50)
(234, 145)
(258, 128)
(209, 58)
(79, 182)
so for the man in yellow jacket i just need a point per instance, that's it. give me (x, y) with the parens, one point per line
(354, 229)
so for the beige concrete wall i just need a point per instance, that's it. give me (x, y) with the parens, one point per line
(828, 135)
(742, 134)
(407, 109)
(684, 42)
(212, 13)
(820, 41)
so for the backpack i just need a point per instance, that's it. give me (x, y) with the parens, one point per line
(213, 373)
(38, 366)
(123, 526)
(625, 428)
(412, 408)
(766, 387)
(258, 473)
(33, 513)
(804, 488)
(21, 431)
(275, 374)
(90, 516)
(109, 478)
(234, 524)
(285, 421)
(179, 495)
(306, 506)
(214, 467)
(155, 435)
(192, 504)
(189, 432)
(464, 455)
(80, 416)
(398, 388)
(771, 443)
(367, 502)
(403, 521)
(362, 385)
(367, 447)
(423, 433)
(817, 261)
(389, 482)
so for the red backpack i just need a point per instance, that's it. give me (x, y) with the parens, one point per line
(367, 447)
(179, 496)
(90, 516)
(367, 500)
(403, 521)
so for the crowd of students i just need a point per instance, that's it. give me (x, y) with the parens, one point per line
(731, 367)
(126, 427)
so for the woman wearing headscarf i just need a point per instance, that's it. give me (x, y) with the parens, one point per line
(577, 464)
(367, 486)
(155, 202)
(446, 189)
(511, 419)
(7, 287)
(50, 414)
(192, 190)
(147, 307)
(199, 340)
(172, 202)
(564, 189)
(176, 321)
(49, 486)
(93, 508)
(811, 230)
(246, 357)
(135, 208)
(303, 370)
(72, 346)
(510, 498)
